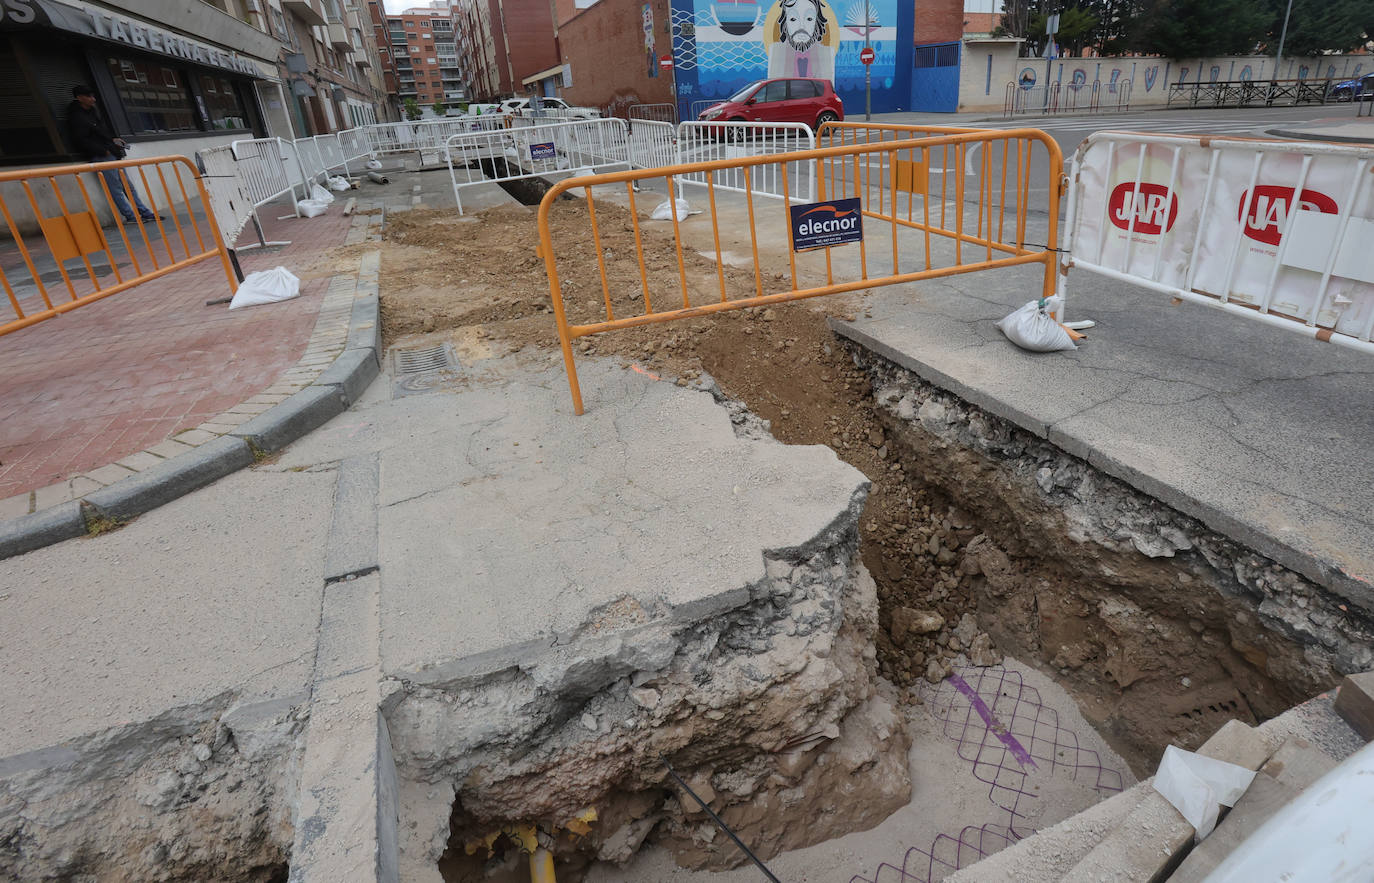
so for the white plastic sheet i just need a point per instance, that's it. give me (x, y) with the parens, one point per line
(266, 287)
(1031, 327)
(319, 194)
(1199, 786)
(664, 211)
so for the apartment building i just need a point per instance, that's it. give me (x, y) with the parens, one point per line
(424, 56)
(181, 75)
(508, 47)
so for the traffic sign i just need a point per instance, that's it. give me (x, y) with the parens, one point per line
(866, 56)
(665, 62)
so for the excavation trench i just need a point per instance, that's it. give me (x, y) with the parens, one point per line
(980, 540)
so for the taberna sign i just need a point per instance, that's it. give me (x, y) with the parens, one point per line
(543, 151)
(822, 224)
(91, 21)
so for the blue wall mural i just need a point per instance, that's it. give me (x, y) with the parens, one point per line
(720, 45)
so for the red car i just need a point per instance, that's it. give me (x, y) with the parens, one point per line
(812, 102)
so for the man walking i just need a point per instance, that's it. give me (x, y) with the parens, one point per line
(92, 139)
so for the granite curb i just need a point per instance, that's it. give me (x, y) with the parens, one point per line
(195, 464)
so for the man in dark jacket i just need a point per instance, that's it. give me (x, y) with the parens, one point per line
(91, 138)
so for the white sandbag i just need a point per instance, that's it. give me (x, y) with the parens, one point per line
(1031, 327)
(319, 194)
(266, 287)
(374, 164)
(665, 210)
(311, 208)
(339, 184)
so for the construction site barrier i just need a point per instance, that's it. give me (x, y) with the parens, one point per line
(917, 190)
(652, 143)
(535, 151)
(696, 108)
(1277, 231)
(665, 112)
(702, 142)
(91, 261)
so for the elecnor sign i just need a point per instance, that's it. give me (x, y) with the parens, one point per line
(822, 224)
(543, 151)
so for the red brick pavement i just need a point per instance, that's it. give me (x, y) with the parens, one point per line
(119, 375)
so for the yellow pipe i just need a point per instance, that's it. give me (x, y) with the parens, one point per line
(541, 866)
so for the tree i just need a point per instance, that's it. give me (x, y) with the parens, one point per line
(1320, 25)
(1075, 28)
(440, 109)
(1201, 28)
(412, 108)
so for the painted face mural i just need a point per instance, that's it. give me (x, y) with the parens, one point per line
(803, 41)
(720, 46)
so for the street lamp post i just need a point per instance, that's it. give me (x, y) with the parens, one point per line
(1283, 35)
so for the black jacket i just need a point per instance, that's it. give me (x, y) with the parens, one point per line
(88, 133)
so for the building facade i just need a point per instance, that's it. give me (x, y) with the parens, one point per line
(182, 75)
(424, 56)
(507, 47)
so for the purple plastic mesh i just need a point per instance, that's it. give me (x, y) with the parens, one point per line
(1000, 727)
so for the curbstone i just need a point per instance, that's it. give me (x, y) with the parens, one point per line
(365, 327)
(282, 424)
(170, 479)
(43, 528)
(353, 371)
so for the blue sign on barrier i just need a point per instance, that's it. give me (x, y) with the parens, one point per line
(543, 151)
(822, 224)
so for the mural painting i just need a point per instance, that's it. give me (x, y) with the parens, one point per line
(721, 45)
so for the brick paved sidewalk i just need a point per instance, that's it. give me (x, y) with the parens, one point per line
(93, 394)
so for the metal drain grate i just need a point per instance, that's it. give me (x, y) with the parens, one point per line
(422, 359)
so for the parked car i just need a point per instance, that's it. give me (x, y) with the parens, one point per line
(1346, 90)
(812, 102)
(522, 105)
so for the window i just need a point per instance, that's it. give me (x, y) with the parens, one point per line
(411, 25)
(222, 103)
(774, 91)
(155, 98)
(414, 50)
(803, 89)
(428, 36)
(433, 61)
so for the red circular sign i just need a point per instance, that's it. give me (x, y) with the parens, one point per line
(665, 62)
(866, 56)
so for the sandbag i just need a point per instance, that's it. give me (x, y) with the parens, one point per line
(1031, 327)
(319, 194)
(339, 184)
(311, 208)
(665, 209)
(266, 287)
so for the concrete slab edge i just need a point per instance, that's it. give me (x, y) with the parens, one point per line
(1314, 136)
(333, 392)
(1323, 573)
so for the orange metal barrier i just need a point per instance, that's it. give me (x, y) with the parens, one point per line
(921, 224)
(70, 244)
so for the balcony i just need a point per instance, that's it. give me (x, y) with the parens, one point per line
(338, 37)
(308, 11)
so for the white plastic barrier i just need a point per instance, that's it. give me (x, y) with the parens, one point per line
(659, 113)
(331, 153)
(427, 135)
(355, 147)
(268, 168)
(1278, 231)
(702, 142)
(536, 151)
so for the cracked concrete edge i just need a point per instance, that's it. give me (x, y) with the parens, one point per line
(973, 396)
(340, 384)
(1322, 572)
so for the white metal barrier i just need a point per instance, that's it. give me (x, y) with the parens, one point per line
(658, 113)
(1278, 231)
(652, 144)
(702, 142)
(231, 206)
(535, 151)
(695, 109)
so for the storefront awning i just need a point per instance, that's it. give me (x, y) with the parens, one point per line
(97, 23)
